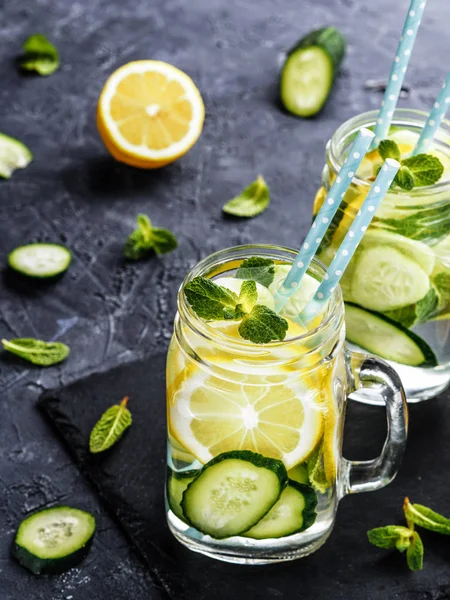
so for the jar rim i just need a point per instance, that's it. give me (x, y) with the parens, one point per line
(402, 116)
(335, 310)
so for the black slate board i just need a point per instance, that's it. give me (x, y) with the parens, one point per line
(130, 478)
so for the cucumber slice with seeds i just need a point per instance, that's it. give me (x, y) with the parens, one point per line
(40, 260)
(294, 512)
(176, 486)
(13, 155)
(54, 540)
(309, 71)
(233, 492)
(381, 335)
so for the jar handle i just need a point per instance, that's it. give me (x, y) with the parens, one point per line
(379, 378)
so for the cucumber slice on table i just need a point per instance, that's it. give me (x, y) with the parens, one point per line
(309, 70)
(381, 335)
(295, 511)
(54, 540)
(385, 279)
(13, 155)
(177, 484)
(233, 492)
(40, 260)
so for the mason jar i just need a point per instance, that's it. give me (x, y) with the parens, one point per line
(397, 286)
(255, 467)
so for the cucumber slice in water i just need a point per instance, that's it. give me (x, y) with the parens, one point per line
(13, 155)
(295, 511)
(386, 338)
(54, 540)
(309, 70)
(233, 492)
(302, 296)
(176, 486)
(40, 260)
(385, 279)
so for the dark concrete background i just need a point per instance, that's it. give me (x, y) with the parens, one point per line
(109, 311)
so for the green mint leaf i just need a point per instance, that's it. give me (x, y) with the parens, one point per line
(419, 312)
(414, 553)
(39, 55)
(426, 518)
(316, 470)
(404, 178)
(110, 427)
(391, 536)
(389, 149)
(262, 326)
(257, 268)
(425, 169)
(251, 202)
(248, 296)
(426, 225)
(442, 283)
(146, 239)
(37, 352)
(209, 300)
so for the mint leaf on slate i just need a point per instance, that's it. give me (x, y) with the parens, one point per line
(250, 202)
(110, 427)
(391, 536)
(389, 149)
(414, 553)
(425, 169)
(209, 300)
(426, 518)
(263, 325)
(261, 270)
(147, 239)
(38, 352)
(39, 55)
(404, 178)
(248, 295)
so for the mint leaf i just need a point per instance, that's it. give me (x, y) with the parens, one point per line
(146, 239)
(442, 283)
(426, 225)
(38, 352)
(248, 295)
(110, 427)
(251, 202)
(425, 169)
(391, 536)
(209, 300)
(389, 149)
(426, 518)
(414, 553)
(263, 325)
(404, 178)
(39, 55)
(420, 312)
(257, 268)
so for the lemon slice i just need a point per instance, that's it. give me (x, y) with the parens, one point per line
(149, 113)
(209, 415)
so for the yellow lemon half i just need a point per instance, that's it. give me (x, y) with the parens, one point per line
(149, 114)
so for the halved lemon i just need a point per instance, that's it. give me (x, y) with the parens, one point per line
(149, 114)
(209, 415)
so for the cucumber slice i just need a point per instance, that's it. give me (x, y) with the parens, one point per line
(40, 260)
(385, 279)
(54, 540)
(233, 492)
(176, 486)
(299, 473)
(386, 338)
(302, 296)
(13, 155)
(295, 511)
(309, 70)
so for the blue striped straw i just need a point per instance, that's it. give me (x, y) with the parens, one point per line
(323, 217)
(398, 70)
(434, 118)
(352, 239)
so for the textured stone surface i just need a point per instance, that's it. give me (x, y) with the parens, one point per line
(111, 312)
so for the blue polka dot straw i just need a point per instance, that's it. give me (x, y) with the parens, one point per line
(351, 240)
(398, 70)
(435, 117)
(323, 218)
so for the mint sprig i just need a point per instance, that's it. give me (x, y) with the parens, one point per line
(258, 268)
(39, 55)
(147, 239)
(415, 171)
(213, 302)
(407, 538)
